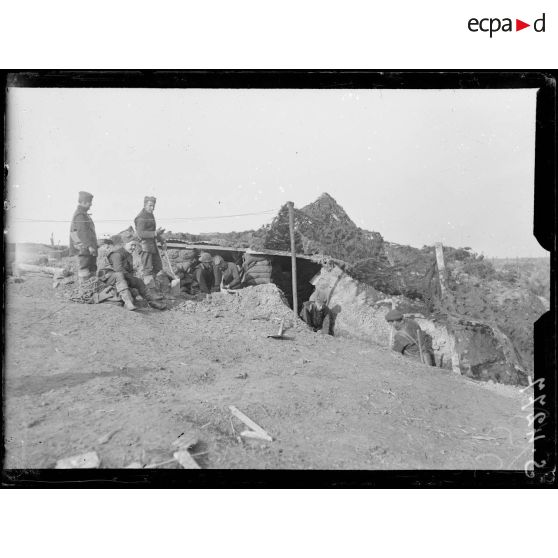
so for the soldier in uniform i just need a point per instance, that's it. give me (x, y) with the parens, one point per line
(409, 339)
(226, 273)
(147, 230)
(317, 315)
(83, 240)
(203, 274)
(116, 269)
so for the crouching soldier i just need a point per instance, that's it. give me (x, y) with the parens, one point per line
(226, 273)
(317, 315)
(83, 239)
(116, 269)
(409, 339)
(146, 229)
(204, 278)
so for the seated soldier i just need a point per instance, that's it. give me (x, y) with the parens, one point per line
(317, 315)
(226, 273)
(409, 339)
(116, 269)
(204, 278)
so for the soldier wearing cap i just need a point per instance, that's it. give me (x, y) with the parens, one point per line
(116, 269)
(316, 313)
(226, 273)
(83, 239)
(409, 339)
(149, 234)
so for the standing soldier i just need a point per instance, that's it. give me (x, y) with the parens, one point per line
(83, 240)
(148, 233)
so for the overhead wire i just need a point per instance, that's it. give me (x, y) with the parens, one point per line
(159, 219)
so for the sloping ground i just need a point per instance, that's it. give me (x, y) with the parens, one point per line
(75, 373)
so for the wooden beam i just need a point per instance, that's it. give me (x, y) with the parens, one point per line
(55, 271)
(290, 205)
(441, 268)
(250, 423)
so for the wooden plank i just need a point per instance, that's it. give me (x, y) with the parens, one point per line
(84, 461)
(263, 252)
(55, 271)
(186, 460)
(250, 423)
(255, 435)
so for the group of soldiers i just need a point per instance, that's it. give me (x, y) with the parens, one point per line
(113, 265)
(113, 262)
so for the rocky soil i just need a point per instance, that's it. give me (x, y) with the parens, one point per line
(81, 378)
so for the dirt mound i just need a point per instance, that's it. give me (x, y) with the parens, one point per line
(511, 308)
(265, 302)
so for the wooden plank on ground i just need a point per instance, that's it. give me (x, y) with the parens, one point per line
(250, 423)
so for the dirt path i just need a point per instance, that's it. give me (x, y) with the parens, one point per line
(75, 373)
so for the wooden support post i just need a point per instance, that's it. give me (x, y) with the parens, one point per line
(290, 205)
(441, 268)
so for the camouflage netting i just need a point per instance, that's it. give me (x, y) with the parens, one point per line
(324, 228)
(415, 278)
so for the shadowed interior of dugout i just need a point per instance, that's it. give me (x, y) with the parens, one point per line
(265, 266)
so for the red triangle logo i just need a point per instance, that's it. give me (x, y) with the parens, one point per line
(519, 25)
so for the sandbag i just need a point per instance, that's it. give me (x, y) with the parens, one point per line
(261, 266)
(265, 276)
(249, 258)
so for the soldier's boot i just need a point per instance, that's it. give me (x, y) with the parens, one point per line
(148, 295)
(157, 304)
(126, 296)
(151, 286)
(153, 294)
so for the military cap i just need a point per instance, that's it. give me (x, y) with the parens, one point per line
(84, 197)
(206, 258)
(394, 315)
(149, 199)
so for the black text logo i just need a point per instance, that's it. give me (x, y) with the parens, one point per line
(493, 25)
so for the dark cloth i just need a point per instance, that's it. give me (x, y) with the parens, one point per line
(122, 260)
(118, 271)
(205, 278)
(82, 233)
(316, 318)
(123, 281)
(406, 341)
(151, 263)
(87, 266)
(115, 259)
(146, 229)
(230, 276)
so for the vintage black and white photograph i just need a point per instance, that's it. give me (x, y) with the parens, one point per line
(271, 278)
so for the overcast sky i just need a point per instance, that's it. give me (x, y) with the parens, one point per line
(417, 166)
